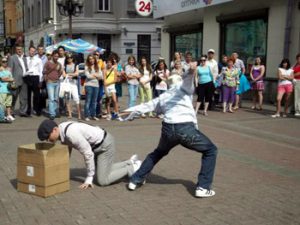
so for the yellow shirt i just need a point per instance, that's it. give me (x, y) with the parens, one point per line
(111, 77)
(101, 64)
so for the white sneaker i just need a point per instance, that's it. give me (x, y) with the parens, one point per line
(297, 114)
(95, 118)
(275, 115)
(134, 158)
(132, 186)
(136, 165)
(11, 118)
(87, 119)
(204, 193)
(108, 117)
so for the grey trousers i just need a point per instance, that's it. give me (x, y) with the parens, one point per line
(21, 93)
(297, 96)
(107, 171)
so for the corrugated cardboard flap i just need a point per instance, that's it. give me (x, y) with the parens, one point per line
(38, 153)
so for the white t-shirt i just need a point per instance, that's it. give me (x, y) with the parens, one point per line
(213, 65)
(145, 78)
(129, 70)
(163, 84)
(285, 72)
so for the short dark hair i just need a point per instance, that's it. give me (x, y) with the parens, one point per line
(188, 53)
(285, 60)
(19, 46)
(31, 47)
(55, 52)
(59, 47)
(40, 46)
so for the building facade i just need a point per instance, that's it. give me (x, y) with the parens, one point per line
(2, 30)
(269, 29)
(10, 24)
(111, 24)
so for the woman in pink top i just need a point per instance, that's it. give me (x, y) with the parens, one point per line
(285, 86)
(257, 83)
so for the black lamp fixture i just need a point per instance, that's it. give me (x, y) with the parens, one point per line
(70, 8)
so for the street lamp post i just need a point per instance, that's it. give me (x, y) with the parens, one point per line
(70, 8)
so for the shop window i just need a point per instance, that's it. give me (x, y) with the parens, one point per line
(247, 38)
(189, 42)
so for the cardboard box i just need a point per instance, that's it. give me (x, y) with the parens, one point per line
(43, 169)
(44, 191)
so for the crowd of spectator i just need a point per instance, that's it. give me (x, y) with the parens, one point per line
(52, 83)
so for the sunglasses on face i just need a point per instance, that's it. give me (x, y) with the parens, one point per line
(202, 60)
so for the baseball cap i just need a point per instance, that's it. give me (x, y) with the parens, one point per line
(45, 129)
(211, 50)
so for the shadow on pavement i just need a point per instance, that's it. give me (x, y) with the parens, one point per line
(157, 179)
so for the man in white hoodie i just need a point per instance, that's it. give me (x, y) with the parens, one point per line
(179, 127)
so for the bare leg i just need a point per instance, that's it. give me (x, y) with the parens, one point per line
(224, 107)
(287, 102)
(205, 108)
(198, 104)
(260, 99)
(79, 111)
(279, 98)
(237, 101)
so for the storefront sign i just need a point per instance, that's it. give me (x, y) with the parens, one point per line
(170, 7)
(144, 7)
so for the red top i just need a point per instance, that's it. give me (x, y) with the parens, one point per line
(296, 70)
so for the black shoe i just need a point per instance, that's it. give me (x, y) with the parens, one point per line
(51, 117)
(25, 115)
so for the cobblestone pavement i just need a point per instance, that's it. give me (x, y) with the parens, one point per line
(257, 178)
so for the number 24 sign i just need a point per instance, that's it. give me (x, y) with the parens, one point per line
(144, 7)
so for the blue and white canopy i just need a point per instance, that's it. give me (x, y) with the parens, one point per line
(76, 45)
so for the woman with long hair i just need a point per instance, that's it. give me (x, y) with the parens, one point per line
(133, 74)
(285, 86)
(161, 74)
(176, 58)
(71, 73)
(257, 85)
(93, 75)
(145, 79)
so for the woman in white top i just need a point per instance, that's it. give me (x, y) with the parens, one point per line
(176, 75)
(93, 74)
(133, 74)
(176, 58)
(71, 73)
(145, 90)
(285, 86)
(161, 74)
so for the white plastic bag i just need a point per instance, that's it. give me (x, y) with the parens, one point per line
(64, 88)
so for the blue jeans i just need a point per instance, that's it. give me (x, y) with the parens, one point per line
(99, 98)
(188, 136)
(132, 91)
(91, 94)
(52, 89)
